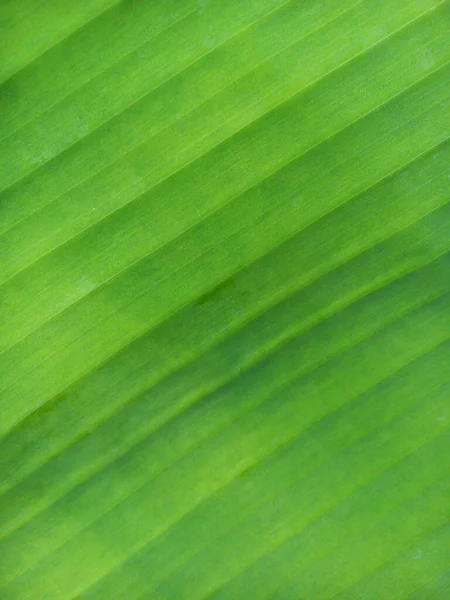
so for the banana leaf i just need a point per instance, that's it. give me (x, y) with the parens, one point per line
(225, 300)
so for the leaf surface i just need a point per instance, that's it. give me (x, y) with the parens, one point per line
(225, 283)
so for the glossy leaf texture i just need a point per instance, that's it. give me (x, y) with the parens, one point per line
(225, 290)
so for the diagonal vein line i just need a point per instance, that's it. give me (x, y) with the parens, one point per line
(68, 35)
(262, 355)
(329, 509)
(284, 296)
(256, 184)
(411, 594)
(280, 447)
(293, 483)
(389, 514)
(320, 516)
(273, 173)
(196, 60)
(380, 566)
(148, 92)
(225, 204)
(187, 164)
(131, 554)
(98, 365)
(279, 298)
(278, 390)
(315, 519)
(286, 444)
(86, 83)
(292, 579)
(424, 585)
(276, 106)
(222, 206)
(171, 373)
(174, 122)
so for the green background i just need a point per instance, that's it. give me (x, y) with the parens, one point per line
(225, 300)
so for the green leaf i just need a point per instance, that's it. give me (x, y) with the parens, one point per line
(225, 289)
